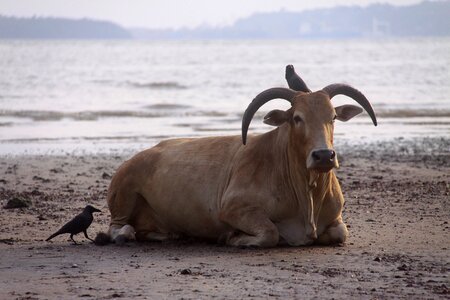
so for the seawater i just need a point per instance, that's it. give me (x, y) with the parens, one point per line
(106, 96)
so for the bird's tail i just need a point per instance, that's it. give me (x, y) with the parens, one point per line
(102, 239)
(52, 236)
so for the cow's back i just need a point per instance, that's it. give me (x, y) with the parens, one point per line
(182, 180)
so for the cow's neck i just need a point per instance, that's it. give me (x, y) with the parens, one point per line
(308, 187)
(320, 187)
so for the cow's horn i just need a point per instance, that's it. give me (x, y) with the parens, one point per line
(260, 100)
(344, 89)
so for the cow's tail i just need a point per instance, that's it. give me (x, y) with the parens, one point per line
(102, 239)
(121, 203)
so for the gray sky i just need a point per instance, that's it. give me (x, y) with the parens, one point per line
(167, 13)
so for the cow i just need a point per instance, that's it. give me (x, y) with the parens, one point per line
(263, 190)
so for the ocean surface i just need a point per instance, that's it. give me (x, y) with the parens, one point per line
(59, 97)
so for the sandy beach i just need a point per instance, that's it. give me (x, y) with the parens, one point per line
(397, 210)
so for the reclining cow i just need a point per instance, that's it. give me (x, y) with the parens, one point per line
(277, 187)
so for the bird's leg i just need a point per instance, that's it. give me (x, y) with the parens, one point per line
(85, 234)
(71, 237)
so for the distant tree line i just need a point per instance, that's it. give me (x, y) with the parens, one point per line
(59, 28)
(378, 20)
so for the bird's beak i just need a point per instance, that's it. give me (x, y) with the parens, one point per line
(96, 210)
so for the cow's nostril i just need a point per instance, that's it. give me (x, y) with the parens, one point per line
(332, 155)
(315, 156)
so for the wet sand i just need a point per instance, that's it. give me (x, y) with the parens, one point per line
(397, 209)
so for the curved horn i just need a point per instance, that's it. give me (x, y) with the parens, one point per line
(260, 100)
(344, 89)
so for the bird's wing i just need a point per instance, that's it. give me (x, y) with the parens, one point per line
(77, 224)
(294, 81)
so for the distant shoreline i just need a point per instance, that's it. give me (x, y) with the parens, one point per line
(205, 40)
(437, 146)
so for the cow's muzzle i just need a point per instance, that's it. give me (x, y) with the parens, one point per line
(321, 160)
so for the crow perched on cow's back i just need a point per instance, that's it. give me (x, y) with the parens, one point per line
(294, 81)
(78, 224)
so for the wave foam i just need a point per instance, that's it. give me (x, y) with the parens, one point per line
(170, 85)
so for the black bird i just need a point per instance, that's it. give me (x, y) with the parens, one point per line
(295, 82)
(78, 224)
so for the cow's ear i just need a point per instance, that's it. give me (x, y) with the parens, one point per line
(276, 117)
(346, 112)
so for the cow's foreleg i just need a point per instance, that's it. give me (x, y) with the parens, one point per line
(334, 234)
(333, 230)
(252, 227)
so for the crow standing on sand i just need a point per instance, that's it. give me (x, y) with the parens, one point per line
(295, 82)
(78, 224)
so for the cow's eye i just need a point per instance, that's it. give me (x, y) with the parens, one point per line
(297, 119)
